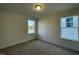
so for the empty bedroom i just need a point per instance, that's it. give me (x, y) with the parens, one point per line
(39, 28)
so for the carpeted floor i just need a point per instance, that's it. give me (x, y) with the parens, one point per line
(36, 47)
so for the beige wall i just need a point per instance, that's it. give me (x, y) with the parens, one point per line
(12, 29)
(49, 29)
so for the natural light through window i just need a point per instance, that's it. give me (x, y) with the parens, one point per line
(31, 26)
(69, 28)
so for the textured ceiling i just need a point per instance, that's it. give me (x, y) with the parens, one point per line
(26, 8)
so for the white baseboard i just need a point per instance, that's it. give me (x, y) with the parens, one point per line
(65, 46)
(15, 43)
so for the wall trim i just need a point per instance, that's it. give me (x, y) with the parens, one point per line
(17, 43)
(57, 44)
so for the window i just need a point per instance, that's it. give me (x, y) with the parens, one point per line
(69, 28)
(31, 26)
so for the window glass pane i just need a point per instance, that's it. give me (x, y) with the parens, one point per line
(31, 26)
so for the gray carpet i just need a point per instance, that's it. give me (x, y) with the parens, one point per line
(36, 47)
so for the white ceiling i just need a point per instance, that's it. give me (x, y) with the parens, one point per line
(26, 8)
